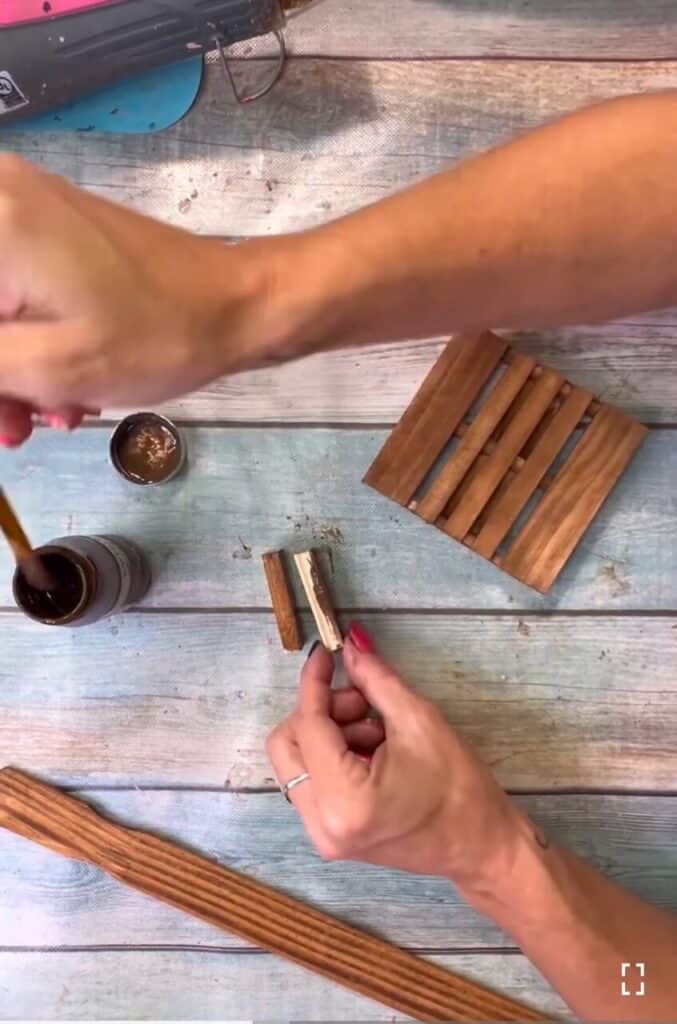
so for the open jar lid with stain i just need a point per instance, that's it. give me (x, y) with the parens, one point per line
(147, 449)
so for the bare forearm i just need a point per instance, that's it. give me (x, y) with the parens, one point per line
(579, 929)
(576, 222)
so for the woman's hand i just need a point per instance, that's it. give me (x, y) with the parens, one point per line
(101, 306)
(403, 791)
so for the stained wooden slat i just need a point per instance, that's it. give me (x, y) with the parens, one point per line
(506, 511)
(332, 136)
(170, 984)
(459, 494)
(45, 901)
(474, 439)
(511, 442)
(381, 474)
(583, 483)
(434, 414)
(188, 699)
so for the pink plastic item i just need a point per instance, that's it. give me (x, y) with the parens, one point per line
(16, 12)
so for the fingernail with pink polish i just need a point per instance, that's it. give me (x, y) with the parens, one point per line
(58, 423)
(360, 638)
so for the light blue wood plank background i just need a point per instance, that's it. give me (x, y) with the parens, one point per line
(183, 985)
(188, 698)
(252, 489)
(574, 693)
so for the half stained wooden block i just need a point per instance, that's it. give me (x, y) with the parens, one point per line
(319, 600)
(282, 599)
(509, 432)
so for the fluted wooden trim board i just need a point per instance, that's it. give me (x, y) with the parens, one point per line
(235, 903)
(46, 901)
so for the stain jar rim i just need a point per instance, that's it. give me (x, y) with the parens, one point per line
(122, 430)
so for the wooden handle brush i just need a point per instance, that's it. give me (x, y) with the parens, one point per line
(27, 560)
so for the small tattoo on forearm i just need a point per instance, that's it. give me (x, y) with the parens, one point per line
(541, 839)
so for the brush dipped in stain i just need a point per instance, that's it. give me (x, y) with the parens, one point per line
(31, 565)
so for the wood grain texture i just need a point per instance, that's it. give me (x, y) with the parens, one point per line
(633, 365)
(505, 511)
(433, 415)
(171, 985)
(282, 598)
(237, 904)
(578, 490)
(166, 699)
(475, 438)
(237, 495)
(498, 28)
(332, 136)
(510, 444)
(319, 599)
(47, 901)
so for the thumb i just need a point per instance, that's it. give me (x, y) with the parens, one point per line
(382, 687)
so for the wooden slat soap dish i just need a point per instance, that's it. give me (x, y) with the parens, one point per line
(509, 488)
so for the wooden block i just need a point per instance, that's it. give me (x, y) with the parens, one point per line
(282, 600)
(437, 410)
(237, 904)
(319, 599)
(476, 436)
(550, 535)
(508, 442)
(516, 495)
(509, 446)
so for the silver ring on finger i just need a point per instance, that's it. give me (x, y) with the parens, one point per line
(293, 783)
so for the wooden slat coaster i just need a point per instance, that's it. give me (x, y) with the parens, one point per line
(244, 907)
(504, 455)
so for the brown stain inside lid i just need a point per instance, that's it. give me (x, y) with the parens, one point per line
(148, 451)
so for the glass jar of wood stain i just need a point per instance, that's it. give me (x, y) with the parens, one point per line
(93, 577)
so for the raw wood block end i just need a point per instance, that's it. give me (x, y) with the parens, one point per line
(319, 599)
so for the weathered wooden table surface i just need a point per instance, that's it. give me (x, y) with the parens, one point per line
(160, 715)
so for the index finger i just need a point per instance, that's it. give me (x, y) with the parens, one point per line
(322, 744)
